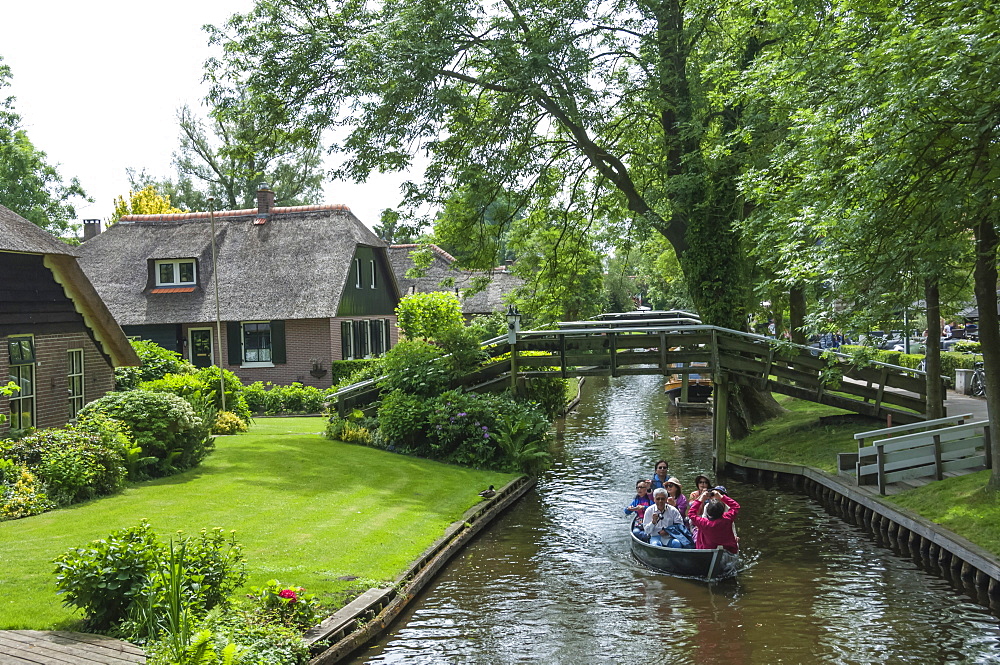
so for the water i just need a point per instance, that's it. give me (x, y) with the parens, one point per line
(553, 580)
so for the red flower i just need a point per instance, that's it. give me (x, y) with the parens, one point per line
(289, 594)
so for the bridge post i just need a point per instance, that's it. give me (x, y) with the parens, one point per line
(720, 427)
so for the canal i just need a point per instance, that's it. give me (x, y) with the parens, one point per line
(553, 581)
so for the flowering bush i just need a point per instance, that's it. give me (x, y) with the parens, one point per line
(228, 422)
(21, 493)
(286, 605)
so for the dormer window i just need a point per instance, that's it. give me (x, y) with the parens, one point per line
(176, 272)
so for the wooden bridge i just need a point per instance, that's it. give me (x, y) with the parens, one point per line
(612, 348)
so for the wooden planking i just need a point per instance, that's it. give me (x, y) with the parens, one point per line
(36, 647)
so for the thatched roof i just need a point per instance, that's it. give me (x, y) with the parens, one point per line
(294, 265)
(19, 235)
(442, 267)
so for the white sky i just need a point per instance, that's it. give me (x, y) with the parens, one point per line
(98, 86)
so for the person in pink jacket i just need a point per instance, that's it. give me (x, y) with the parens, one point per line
(716, 528)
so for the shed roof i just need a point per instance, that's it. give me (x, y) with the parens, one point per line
(292, 265)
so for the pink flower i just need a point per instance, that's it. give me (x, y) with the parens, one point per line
(289, 594)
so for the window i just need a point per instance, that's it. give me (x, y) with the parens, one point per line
(366, 338)
(372, 265)
(74, 379)
(176, 272)
(346, 341)
(357, 273)
(257, 342)
(21, 353)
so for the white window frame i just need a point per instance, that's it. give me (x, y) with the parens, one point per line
(211, 341)
(76, 401)
(176, 269)
(357, 273)
(372, 264)
(20, 396)
(243, 347)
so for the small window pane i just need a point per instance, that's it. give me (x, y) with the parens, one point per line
(257, 342)
(21, 350)
(187, 272)
(166, 273)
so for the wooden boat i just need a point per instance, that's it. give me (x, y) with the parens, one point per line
(705, 564)
(699, 388)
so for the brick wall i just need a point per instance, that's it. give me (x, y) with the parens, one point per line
(305, 339)
(51, 365)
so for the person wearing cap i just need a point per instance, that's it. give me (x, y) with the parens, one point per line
(658, 517)
(717, 526)
(675, 498)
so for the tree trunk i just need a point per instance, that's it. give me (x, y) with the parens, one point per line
(932, 353)
(989, 333)
(797, 313)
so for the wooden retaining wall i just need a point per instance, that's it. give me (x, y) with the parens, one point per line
(943, 553)
(369, 615)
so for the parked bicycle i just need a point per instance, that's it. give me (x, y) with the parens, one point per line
(978, 384)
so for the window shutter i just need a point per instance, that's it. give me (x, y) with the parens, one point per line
(278, 343)
(234, 339)
(346, 337)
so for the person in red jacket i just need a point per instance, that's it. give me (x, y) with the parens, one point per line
(716, 528)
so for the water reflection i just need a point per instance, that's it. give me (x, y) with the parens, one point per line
(554, 581)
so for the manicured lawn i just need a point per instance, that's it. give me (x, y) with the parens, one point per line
(957, 504)
(307, 511)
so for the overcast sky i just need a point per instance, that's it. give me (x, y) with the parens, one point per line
(98, 86)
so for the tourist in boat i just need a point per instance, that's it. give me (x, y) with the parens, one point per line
(660, 475)
(701, 484)
(658, 517)
(717, 527)
(643, 499)
(675, 498)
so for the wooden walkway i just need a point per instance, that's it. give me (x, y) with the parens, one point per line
(42, 647)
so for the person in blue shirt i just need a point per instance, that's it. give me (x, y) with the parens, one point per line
(660, 475)
(643, 499)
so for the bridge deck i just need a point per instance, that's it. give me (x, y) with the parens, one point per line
(39, 647)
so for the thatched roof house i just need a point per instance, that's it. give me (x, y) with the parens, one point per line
(298, 287)
(443, 270)
(58, 341)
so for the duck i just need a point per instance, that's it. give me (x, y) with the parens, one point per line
(488, 493)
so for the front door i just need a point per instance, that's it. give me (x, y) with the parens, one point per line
(200, 346)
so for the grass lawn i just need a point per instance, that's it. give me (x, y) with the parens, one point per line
(308, 512)
(958, 504)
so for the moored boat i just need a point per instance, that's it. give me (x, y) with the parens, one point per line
(705, 564)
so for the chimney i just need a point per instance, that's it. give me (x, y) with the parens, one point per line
(265, 199)
(91, 227)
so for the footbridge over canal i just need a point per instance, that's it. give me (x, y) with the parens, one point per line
(634, 347)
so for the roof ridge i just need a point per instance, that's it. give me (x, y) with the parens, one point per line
(426, 244)
(247, 212)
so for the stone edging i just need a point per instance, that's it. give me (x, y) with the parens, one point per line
(374, 611)
(935, 544)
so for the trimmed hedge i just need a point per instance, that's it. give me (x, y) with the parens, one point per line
(950, 360)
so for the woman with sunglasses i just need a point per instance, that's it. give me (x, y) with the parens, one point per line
(675, 498)
(660, 475)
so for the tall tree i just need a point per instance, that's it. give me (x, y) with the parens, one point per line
(607, 108)
(889, 171)
(237, 149)
(29, 184)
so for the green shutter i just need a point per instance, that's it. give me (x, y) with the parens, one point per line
(234, 336)
(278, 343)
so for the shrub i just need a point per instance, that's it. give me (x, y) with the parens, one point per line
(233, 388)
(258, 641)
(403, 419)
(967, 346)
(228, 422)
(114, 578)
(460, 429)
(428, 315)
(157, 362)
(347, 370)
(414, 366)
(265, 397)
(165, 426)
(115, 435)
(523, 434)
(285, 605)
(23, 494)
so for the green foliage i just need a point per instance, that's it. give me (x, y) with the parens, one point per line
(265, 397)
(524, 438)
(415, 366)
(29, 184)
(157, 362)
(164, 426)
(403, 420)
(228, 422)
(548, 392)
(352, 371)
(428, 315)
(259, 641)
(144, 201)
(968, 346)
(463, 349)
(286, 605)
(488, 326)
(129, 573)
(233, 387)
